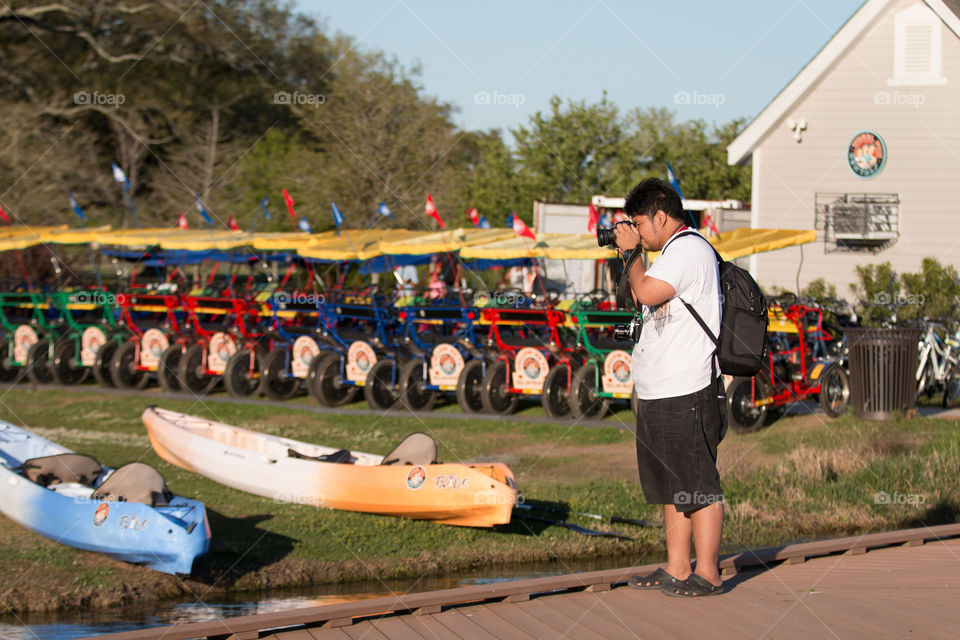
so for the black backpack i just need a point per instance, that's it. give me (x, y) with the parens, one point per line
(742, 343)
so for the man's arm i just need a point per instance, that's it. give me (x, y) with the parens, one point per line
(645, 289)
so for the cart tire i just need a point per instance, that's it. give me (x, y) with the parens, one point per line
(7, 374)
(555, 397)
(469, 387)
(241, 377)
(742, 417)
(63, 369)
(101, 365)
(584, 401)
(380, 390)
(323, 384)
(123, 368)
(277, 382)
(168, 369)
(834, 390)
(38, 363)
(190, 371)
(413, 394)
(493, 390)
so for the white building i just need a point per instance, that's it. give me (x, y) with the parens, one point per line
(864, 145)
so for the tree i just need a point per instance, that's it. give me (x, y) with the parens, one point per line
(876, 293)
(933, 292)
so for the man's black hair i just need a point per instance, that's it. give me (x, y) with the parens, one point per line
(652, 195)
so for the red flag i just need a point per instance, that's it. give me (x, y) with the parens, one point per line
(592, 220)
(521, 229)
(290, 203)
(474, 215)
(232, 224)
(182, 222)
(708, 222)
(3, 214)
(431, 210)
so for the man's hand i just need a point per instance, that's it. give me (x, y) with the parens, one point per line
(627, 236)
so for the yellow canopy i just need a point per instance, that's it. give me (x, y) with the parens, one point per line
(547, 245)
(744, 242)
(44, 235)
(285, 240)
(443, 241)
(353, 245)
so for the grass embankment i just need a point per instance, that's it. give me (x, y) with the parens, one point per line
(801, 478)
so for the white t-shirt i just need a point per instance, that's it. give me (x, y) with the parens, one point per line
(673, 355)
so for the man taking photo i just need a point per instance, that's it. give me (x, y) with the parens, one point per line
(678, 418)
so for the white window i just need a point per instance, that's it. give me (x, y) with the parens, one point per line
(916, 47)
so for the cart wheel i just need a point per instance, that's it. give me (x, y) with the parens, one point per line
(323, 382)
(168, 369)
(493, 390)
(38, 363)
(63, 369)
(555, 397)
(380, 390)
(469, 385)
(7, 373)
(123, 368)
(834, 390)
(413, 394)
(101, 366)
(742, 416)
(277, 382)
(191, 373)
(241, 376)
(951, 386)
(584, 400)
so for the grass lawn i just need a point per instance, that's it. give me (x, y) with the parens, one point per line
(801, 478)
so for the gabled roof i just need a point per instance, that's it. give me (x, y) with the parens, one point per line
(743, 145)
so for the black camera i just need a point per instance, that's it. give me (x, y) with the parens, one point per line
(606, 236)
(629, 332)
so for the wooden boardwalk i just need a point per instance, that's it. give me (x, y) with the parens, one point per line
(901, 584)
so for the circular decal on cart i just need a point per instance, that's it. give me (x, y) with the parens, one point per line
(101, 514)
(618, 372)
(90, 342)
(360, 359)
(152, 345)
(530, 370)
(416, 477)
(867, 154)
(305, 349)
(446, 363)
(24, 337)
(221, 348)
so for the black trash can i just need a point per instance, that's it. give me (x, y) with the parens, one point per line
(883, 371)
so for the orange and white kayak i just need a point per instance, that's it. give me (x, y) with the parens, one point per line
(407, 482)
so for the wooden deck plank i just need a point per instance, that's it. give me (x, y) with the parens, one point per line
(321, 633)
(493, 623)
(594, 613)
(395, 629)
(363, 632)
(566, 623)
(463, 626)
(530, 625)
(429, 628)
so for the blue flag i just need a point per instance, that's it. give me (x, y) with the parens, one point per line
(203, 212)
(118, 174)
(337, 216)
(384, 210)
(483, 224)
(76, 207)
(263, 205)
(303, 225)
(510, 219)
(672, 177)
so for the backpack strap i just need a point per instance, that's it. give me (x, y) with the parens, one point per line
(624, 299)
(693, 312)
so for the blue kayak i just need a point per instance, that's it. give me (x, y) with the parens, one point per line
(126, 513)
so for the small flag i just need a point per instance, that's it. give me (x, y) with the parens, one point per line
(384, 210)
(290, 203)
(483, 224)
(709, 223)
(263, 205)
(521, 229)
(510, 219)
(337, 215)
(232, 224)
(672, 177)
(431, 210)
(304, 226)
(474, 216)
(76, 207)
(203, 212)
(4, 216)
(182, 221)
(592, 219)
(118, 174)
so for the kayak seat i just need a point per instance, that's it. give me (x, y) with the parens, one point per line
(135, 482)
(416, 448)
(62, 468)
(341, 456)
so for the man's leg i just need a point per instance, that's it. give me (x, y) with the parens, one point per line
(707, 530)
(678, 528)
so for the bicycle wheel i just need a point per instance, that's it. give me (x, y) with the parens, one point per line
(123, 368)
(834, 390)
(584, 401)
(469, 395)
(951, 386)
(555, 397)
(38, 363)
(496, 397)
(64, 369)
(278, 384)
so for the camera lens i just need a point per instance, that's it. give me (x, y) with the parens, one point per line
(605, 237)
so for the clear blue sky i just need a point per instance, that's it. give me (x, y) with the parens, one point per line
(500, 61)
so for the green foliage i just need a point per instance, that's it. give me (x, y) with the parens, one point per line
(819, 289)
(933, 292)
(878, 287)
